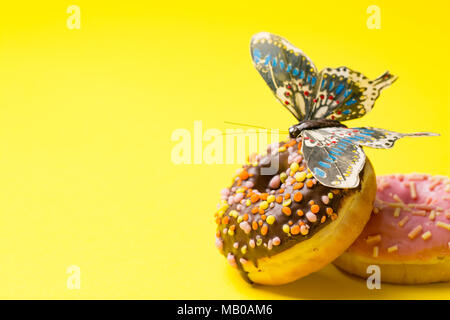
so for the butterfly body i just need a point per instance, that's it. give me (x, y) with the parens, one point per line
(320, 101)
(296, 130)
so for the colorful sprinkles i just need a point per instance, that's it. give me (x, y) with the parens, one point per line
(417, 209)
(256, 219)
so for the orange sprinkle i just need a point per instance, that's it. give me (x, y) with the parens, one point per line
(290, 222)
(264, 196)
(292, 142)
(286, 211)
(298, 185)
(254, 225)
(281, 190)
(301, 223)
(300, 212)
(255, 210)
(243, 175)
(279, 199)
(298, 196)
(225, 220)
(254, 198)
(301, 168)
(309, 183)
(218, 233)
(329, 210)
(260, 222)
(239, 183)
(261, 211)
(287, 196)
(217, 220)
(315, 208)
(295, 229)
(263, 217)
(264, 230)
(245, 217)
(323, 219)
(232, 227)
(335, 191)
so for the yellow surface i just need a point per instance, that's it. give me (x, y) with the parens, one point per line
(86, 118)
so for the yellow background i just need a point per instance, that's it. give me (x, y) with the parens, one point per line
(86, 118)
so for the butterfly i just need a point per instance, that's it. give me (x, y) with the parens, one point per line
(320, 101)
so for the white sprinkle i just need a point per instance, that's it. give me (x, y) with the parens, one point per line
(238, 197)
(415, 232)
(304, 230)
(375, 251)
(426, 235)
(392, 249)
(422, 207)
(432, 215)
(397, 198)
(443, 225)
(371, 240)
(311, 216)
(276, 241)
(244, 225)
(412, 189)
(397, 212)
(403, 221)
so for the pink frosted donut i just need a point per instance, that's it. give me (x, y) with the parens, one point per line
(408, 234)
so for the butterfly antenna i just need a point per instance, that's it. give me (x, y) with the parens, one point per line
(251, 126)
(245, 125)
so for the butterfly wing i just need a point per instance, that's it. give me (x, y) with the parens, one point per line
(335, 157)
(371, 137)
(343, 94)
(289, 73)
(332, 163)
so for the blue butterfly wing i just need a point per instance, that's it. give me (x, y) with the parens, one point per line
(372, 137)
(333, 163)
(343, 94)
(289, 73)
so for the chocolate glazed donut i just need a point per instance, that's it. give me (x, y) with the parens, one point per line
(263, 219)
